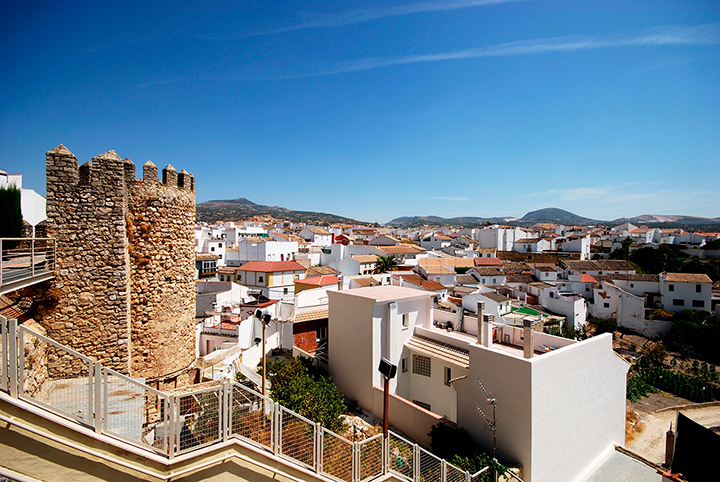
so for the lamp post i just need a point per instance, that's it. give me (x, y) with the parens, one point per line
(264, 321)
(388, 371)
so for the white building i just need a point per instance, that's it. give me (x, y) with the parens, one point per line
(685, 290)
(560, 403)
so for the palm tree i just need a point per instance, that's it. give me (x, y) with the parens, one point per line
(383, 264)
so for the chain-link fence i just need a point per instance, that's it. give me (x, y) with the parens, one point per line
(55, 376)
(252, 416)
(297, 437)
(337, 456)
(370, 458)
(198, 418)
(135, 412)
(401, 456)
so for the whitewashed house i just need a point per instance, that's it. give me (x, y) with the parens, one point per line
(685, 291)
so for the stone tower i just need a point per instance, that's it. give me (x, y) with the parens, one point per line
(125, 262)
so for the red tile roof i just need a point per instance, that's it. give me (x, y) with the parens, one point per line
(322, 280)
(586, 278)
(271, 266)
(488, 262)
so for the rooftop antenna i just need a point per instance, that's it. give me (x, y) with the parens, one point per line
(491, 423)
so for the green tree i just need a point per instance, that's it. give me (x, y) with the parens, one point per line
(383, 264)
(11, 225)
(657, 260)
(297, 386)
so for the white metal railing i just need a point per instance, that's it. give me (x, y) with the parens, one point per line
(44, 373)
(25, 258)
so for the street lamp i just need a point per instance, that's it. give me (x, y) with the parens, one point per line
(264, 320)
(388, 371)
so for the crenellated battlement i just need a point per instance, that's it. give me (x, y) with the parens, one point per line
(109, 171)
(125, 253)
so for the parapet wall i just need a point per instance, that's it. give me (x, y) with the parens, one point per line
(125, 257)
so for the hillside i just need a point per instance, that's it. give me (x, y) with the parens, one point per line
(245, 210)
(555, 215)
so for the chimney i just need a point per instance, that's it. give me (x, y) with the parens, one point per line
(480, 309)
(528, 335)
(486, 333)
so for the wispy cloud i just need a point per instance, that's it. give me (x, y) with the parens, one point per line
(707, 34)
(366, 15)
(453, 199)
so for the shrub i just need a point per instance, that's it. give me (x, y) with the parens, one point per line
(300, 389)
(604, 325)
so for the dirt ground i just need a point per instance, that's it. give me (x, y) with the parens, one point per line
(651, 417)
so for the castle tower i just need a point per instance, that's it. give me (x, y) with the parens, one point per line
(125, 257)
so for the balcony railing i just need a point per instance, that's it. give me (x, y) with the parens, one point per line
(25, 261)
(46, 374)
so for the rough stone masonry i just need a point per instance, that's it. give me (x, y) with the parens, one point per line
(125, 262)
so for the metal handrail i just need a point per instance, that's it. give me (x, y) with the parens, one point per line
(19, 264)
(168, 423)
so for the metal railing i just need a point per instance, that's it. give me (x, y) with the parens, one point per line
(25, 258)
(44, 373)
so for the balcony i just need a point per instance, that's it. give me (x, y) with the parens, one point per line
(25, 262)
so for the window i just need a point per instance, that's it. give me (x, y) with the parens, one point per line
(297, 276)
(698, 288)
(322, 333)
(606, 305)
(421, 365)
(587, 287)
(671, 287)
(261, 279)
(678, 302)
(403, 364)
(494, 282)
(448, 376)
(405, 320)
(285, 291)
(632, 285)
(698, 303)
(424, 405)
(212, 249)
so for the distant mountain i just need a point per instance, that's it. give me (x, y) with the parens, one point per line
(244, 210)
(416, 221)
(672, 219)
(555, 215)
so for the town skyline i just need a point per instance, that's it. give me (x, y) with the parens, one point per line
(463, 108)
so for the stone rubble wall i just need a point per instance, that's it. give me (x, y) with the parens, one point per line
(125, 262)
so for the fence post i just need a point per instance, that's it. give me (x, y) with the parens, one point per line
(98, 419)
(13, 357)
(277, 429)
(4, 351)
(171, 427)
(225, 412)
(443, 475)
(355, 462)
(386, 454)
(416, 463)
(318, 452)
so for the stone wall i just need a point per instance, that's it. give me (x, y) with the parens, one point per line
(125, 262)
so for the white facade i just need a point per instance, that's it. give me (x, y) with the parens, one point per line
(685, 291)
(501, 239)
(555, 412)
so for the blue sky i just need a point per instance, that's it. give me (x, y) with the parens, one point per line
(375, 110)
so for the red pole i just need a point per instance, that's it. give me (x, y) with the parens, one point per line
(385, 407)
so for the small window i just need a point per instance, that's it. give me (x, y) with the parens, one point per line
(448, 376)
(606, 305)
(403, 364)
(678, 302)
(698, 288)
(671, 287)
(421, 365)
(212, 249)
(285, 291)
(321, 333)
(297, 276)
(698, 303)
(261, 279)
(424, 405)
(405, 320)
(632, 285)
(587, 287)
